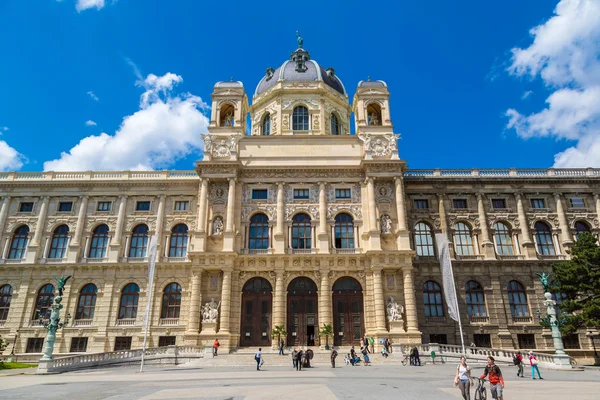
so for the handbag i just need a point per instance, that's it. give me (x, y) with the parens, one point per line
(534, 361)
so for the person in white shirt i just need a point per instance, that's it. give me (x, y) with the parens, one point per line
(258, 358)
(463, 378)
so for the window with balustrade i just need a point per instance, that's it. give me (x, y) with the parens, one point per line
(463, 241)
(171, 301)
(87, 302)
(432, 299)
(43, 302)
(423, 236)
(543, 239)
(18, 244)
(517, 299)
(301, 232)
(344, 231)
(179, 241)
(99, 242)
(129, 301)
(139, 241)
(258, 232)
(504, 243)
(5, 299)
(58, 245)
(475, 299)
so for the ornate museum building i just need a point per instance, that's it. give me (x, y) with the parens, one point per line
(291, 221)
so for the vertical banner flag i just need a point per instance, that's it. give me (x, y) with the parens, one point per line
(151, 266)
(447, 276)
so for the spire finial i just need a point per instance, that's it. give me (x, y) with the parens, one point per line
(300, 41)
(368, 79)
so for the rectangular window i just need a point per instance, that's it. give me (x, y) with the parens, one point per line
(499, 203)
(438, 338)
(421, 204)
(301, 194)
(26, 207)
(459, 204)
(34, 345)
(122, 343)
(182, 205)
(571, 341)
(142, 206)
(482, 340)
(538, 203)
(260, 194)
(577, 202)
(104, 206)
(526, 341)
(166, 341)
(65, 206)
(343, 193)
(78, 344)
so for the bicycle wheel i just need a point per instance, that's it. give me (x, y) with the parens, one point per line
(477, 395)
(404, 362)
(483, 394)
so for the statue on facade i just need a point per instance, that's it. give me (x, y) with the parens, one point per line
(217, 226)
(373, 119)
(232, 143)
(367, 141)
(207, 143)
(210, 311)
(229, 118)
(386, 223)
(394, 310)
(299, 39)
(62, 281)
(545, 279)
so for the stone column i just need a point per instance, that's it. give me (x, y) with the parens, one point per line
(279, 301)
(378, 300)
(202, 198)
(160, 217)
(403, 239)
(325, 300)
(120, 221)
(410, 301)
(486, 243)
(323, 237)
(4, 214)
(371, 199)
(526, 243)
(195, 298)
(41, 222)
(565, 234)
(279, 237)
(225, 301)
(80, 221)
(230, 206)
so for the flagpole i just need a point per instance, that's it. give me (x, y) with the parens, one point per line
(151, 266)
(462, 339)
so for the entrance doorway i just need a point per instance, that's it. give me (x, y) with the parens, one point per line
(302, 321)
(348, 319)
(256, 313)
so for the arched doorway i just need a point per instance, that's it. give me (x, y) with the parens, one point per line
(256, 313)
(302, 322)
(348, 319)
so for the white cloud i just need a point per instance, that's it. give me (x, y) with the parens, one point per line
(89, 122)
(4, 128)
(564, 53)
(526, 94)
(165, 128)
(93, 96)
(10, 159)
(82, 5)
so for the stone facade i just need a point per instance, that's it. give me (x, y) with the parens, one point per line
(297, 198)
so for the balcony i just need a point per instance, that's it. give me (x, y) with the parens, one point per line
(126, 322)
(521, 320)
(82, 322)
(468, 258)
(95, 260)
(435, 320)
(479, 320)
(426, 258)
(177, 259)
(13, 260)
(552, 258)
(257, 251)
(168, 321)
(510, 258)
(301, 251)
(53, 260)
(344, 251)
(135, 259)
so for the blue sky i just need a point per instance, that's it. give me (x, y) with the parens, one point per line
(140, 74)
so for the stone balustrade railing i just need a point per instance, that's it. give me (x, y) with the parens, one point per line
(96, 176)
(503, 173)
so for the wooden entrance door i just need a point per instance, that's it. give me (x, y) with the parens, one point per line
(348, 315)
(302, 313)
(256, 313)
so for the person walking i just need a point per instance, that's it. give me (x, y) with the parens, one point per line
(334, 354)
(366, 343)
(534, 365)
(281, 345)
(416, 357)
(386, 344)
(258, 358)
(299, 362)
(216, 345)
(463, 378)
(495, 377)
(295, 358)
(518, 360)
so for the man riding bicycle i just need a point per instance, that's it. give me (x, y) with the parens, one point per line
(495, 377)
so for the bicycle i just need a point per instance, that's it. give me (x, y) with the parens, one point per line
(480, 392)
(406, 360)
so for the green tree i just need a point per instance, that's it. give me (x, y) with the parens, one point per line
(327, 331)
(579, 280)
(2, 348)
(279, 331)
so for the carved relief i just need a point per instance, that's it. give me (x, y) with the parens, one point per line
(269, 210)
(380, 145)
(300, 174)
(335, 209)
(313, 211)
(218, 192)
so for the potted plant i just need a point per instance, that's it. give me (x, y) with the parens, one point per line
(278, 331)
(326, 330)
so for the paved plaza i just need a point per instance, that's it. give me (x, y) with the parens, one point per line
(279, 382)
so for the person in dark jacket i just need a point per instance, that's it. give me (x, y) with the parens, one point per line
(416, 358)
(295, 358)
(299, 362)
(334, 354)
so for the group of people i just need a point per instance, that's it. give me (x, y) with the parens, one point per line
(533, 363)
(354, 359)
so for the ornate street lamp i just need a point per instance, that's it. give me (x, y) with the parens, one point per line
(53, 324)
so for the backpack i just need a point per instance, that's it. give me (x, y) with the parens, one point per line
(516, 360)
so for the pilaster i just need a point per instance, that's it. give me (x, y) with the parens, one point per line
(33, 250)
(487, 247)
(279, 236)
(225, 302)
(403, 235)
(527, 245)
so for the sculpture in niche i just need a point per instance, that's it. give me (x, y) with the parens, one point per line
(386, 223)
(394, 310)
(217, 226)
(210, 311)
(229, 118)
(207, 143)
(232, 143)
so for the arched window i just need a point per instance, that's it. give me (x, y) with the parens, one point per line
(344, 231)
(475, 299)
(259, 232)
(139, 241)
(301, 231)
(43, 303)
(373, 114)
(517, 298)
(266, 125)
(336, 128)
(580, 228)
(87, 302)
(432, 299)
(424, 240)
(5, 298)
(462, 239)
(99, 242)
(60, 239)
(179, 241)
(227, 115)
(171, 301)
(543, 238)
(300, 119)
(129, 301)
(504, 244)
(18, 246)
(347, 284)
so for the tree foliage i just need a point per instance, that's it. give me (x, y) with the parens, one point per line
(578, 279)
